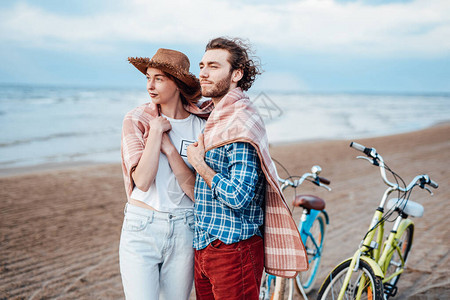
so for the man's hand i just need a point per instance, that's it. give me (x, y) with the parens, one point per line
(196, 152)
(196, 157)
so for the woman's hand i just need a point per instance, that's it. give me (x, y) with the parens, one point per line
(145, 172)
(166, 145)
(160, 124)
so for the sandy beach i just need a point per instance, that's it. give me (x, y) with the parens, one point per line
(60, 227)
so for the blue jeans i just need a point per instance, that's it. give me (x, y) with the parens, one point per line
(156, 254)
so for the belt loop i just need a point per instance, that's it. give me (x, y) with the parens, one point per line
(125, 208)
(185, 217)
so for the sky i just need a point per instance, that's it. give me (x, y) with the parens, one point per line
(304, 46)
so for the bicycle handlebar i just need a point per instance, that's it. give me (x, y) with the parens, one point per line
(324, 180)
(433, 183)
(317, 180)
(371, 152)
(357, 146)
(378, 161)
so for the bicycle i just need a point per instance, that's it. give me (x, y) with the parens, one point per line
(373, 273)
(312, 228)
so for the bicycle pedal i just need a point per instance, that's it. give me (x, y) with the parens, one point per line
(390, 290)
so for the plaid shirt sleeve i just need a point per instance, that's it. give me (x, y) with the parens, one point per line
(237, 189)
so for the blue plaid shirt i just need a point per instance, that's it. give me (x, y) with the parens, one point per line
(232, 209)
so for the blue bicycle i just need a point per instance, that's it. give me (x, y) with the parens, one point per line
(312, 227)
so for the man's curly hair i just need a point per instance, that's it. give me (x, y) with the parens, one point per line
(239, 58)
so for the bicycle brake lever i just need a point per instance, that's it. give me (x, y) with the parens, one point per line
(325, 187)
(431, 193)
(366, 158)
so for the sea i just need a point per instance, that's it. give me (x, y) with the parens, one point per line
(52, 125)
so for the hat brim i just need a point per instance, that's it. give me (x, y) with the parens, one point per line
(142, 63)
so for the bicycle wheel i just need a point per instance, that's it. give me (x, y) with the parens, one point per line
(395, 263)
(272, 288)
(313, 247)
(373, 287)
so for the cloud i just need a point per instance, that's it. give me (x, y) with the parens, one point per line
(420, 27)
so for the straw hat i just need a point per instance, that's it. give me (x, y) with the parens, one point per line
(174, 63)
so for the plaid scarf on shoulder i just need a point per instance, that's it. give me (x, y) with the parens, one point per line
(235, 119)
(135, 129)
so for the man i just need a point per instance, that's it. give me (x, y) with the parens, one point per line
(234, 175)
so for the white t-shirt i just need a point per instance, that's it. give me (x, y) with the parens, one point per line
(165, 194)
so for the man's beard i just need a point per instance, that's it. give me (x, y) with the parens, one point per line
(220, 89)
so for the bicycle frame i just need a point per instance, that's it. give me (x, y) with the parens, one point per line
(391, 245)
(362, 253)
(306, 222)
(369, 249)
(307, 219)
(304, 228)
(377, 261)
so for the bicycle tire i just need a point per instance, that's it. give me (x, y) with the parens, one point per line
(307, 278)
(405, 243)
(333, 283)
(272, 288)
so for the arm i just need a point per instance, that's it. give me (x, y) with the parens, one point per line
(237, 190)
(196, 157)
(184, 175)
(145, 171)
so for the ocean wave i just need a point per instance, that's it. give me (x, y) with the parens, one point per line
(52, 124)
(42, 138)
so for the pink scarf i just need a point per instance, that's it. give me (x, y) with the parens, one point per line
(135, 131)
(235, 119)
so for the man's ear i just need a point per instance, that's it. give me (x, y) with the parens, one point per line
(237, 75)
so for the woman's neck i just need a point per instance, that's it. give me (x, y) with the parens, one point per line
(174, 111)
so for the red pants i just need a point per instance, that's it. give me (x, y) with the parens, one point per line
(229, 271)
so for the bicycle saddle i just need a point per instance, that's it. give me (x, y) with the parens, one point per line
(309, 202)
(411, 208)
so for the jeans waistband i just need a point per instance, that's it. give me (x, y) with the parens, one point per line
(176, 214)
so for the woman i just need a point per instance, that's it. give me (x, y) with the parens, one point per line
(156, 254)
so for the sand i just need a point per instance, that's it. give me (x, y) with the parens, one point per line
(60, 227)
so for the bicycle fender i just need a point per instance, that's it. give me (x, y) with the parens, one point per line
(375, 267)
(373, 264)
(402, 227)
(327, 219)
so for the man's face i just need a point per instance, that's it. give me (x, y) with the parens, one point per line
(215, 75)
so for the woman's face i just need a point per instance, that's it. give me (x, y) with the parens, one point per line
(161, 89)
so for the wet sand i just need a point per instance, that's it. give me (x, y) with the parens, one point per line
(60, 227)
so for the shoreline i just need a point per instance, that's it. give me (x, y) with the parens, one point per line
(57, 166)
(49, 167)
(306, 141)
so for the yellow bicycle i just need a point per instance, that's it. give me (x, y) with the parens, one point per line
(373, 271)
